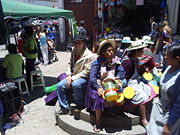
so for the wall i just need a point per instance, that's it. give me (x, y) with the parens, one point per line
(173, 8)
(83, 11)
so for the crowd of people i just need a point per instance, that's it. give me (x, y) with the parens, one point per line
(95, 80)
(47, 37)
(37, 45)
(98, 81)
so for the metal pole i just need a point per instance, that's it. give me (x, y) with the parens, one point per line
(61, 22)
(2, 26)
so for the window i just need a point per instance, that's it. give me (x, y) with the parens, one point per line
(76, 1)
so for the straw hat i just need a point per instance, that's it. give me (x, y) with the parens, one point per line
(126, 40)
(136, 45)
(105, 42)
(147, 40)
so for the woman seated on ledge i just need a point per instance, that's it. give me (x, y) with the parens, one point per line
(102, 68)
(143, 92)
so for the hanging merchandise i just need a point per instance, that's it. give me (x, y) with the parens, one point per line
(163, 4)
(109, 13)
(112, 3)
(118, 2)
(130, 4)
(139, 2)
(105, 12)
(112, 19)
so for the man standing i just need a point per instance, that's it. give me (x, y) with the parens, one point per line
(77, 75)
(29, 52)
(81, 30)
(51, 32)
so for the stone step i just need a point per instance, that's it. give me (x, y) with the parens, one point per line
(81, 127)
(125, 119)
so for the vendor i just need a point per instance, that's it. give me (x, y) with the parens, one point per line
(102, 68)
(143, 92)
(13, 63)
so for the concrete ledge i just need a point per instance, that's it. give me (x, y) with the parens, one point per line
(108, 120)
(80, 127)
(124, 120)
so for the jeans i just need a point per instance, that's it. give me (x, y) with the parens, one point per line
(78, 87)
(44, 50)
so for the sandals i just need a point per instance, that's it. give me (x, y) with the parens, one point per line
(97, 128)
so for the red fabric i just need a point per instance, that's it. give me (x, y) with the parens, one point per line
(19, 41)
(77, 57)
(150, 64)
(147, 61)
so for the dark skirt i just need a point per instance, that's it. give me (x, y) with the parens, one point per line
(94, 102)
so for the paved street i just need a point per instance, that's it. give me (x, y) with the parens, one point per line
(39, 119)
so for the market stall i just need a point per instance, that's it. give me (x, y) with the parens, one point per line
(120, 18)
(17, 10)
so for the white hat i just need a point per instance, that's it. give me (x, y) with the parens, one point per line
(126, 40)
(104, 42)
(136, 45)
(147, 40)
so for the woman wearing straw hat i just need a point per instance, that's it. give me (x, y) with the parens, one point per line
(125, 43)
(102, 68)
(143, 92)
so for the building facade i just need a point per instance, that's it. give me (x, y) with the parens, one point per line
(174, 15)
(83, 10)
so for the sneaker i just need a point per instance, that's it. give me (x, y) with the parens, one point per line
(62, 112)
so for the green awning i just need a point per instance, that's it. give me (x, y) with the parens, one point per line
(18, 9)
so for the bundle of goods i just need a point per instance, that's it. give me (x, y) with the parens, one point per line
(5, 86)
(114, 91)
(110, 34)
(153, 80)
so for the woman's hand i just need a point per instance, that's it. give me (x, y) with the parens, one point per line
(100, 91)
(68, 83)
(166, 130)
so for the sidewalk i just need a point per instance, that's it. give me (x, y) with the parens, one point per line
(40, 119)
